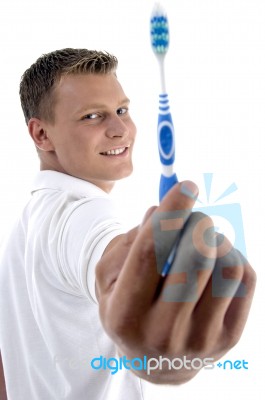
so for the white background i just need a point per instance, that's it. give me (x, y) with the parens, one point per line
(215, 71)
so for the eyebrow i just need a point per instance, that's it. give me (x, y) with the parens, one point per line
(100, 105)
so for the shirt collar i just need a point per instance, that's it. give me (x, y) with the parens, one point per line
(58, 181)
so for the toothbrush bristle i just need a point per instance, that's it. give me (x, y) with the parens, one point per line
(159, 30)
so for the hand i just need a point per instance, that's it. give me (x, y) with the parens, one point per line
(198, 310)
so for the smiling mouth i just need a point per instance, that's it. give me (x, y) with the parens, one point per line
(115, 152)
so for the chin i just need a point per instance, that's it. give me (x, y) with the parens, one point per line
(124, 174)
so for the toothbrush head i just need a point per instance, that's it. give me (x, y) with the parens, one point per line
(159, 30)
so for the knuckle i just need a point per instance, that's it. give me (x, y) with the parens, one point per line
(250, 277)
(156, 335)
(122, 329)
(203, 235)
(114, 326)
(234, 267)
(198, 216)
(157, 344)
(230, 339)
(161, 346)
(129, 237)
(201, 339)
(233, 273)
(105, 277)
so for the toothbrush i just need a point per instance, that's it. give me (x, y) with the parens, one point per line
(165, 130)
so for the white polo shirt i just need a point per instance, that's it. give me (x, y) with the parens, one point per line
(49, 323)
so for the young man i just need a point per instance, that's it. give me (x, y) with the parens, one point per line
(73, 285)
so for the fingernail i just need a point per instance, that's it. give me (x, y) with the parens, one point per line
(189, 189)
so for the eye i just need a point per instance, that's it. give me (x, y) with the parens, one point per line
(91, 116)
(122, 110)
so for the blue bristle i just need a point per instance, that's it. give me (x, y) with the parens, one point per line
(159, 33)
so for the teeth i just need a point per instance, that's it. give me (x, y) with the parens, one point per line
(114, 152)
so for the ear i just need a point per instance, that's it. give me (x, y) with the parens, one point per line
(38, 133)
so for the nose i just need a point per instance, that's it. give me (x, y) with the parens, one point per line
(116, 127)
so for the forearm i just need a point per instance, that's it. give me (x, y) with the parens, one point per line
(3, 395)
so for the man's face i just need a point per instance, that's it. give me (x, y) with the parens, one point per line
(93, 133)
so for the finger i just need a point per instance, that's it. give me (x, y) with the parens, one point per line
(139, 279)
(224, 283)
(188, 276)
(237, 313)
(182, 285)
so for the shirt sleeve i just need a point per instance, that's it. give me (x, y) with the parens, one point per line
(89, 228)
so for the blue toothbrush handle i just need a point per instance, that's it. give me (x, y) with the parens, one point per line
(166, 146)
(166, 183)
